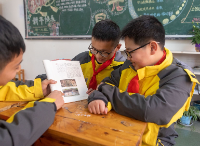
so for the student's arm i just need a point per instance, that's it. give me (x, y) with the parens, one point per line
(19, 91)
(26, 126)
(114, 78)
(159, 108)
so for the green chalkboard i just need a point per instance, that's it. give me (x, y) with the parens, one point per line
(60, 19)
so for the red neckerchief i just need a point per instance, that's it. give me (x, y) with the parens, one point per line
(162, 59)
(133, 86)
(93, 81)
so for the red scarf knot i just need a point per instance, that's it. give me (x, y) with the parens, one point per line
(133, 86)
(93, 81)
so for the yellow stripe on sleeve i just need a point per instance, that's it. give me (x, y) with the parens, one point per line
(109, 106)
(30, 104)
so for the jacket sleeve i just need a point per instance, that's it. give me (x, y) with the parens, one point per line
(74, 59)
(19, 91)
(113, 80)
(114, 77)
(26, 126)
(79, 57)
(158, 108)
(42, 77)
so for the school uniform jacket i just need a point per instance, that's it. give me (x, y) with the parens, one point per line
(86, 64)
(27, 125)
(165, 92)
(19, 91)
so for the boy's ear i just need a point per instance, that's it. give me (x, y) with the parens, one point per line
(118, 47)
(154, 47)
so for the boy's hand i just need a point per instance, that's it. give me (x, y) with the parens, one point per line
(57, 95)
(45, 86)
(97, 107)
(89, 91)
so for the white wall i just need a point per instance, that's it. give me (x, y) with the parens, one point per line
(37, 50)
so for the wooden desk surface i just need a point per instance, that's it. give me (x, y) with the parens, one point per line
(9, 104)
(75, 126)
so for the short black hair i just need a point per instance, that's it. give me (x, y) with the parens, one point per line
(106, 30)
(11, 42)
(143, 29)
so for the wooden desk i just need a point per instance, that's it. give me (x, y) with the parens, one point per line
(9, 104)
(75, 126)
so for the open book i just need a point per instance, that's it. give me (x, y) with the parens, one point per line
(69, 77)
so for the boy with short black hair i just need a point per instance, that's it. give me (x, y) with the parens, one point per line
(151, 86)
(103, 55)
(26, 126)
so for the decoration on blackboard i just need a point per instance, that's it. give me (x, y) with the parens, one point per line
(60, 19)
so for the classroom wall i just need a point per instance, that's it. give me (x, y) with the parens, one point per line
(38, 50)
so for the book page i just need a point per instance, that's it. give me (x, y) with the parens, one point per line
(69, 77)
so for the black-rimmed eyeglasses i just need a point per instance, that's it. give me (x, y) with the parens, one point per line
(129, 53)
(102, 53)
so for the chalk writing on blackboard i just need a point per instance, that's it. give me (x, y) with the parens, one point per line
(76, 18)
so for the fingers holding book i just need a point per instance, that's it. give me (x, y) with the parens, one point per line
(45, 86)
(58, 96)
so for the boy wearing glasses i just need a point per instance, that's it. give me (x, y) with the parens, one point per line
(103, 55)
(151, 86)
